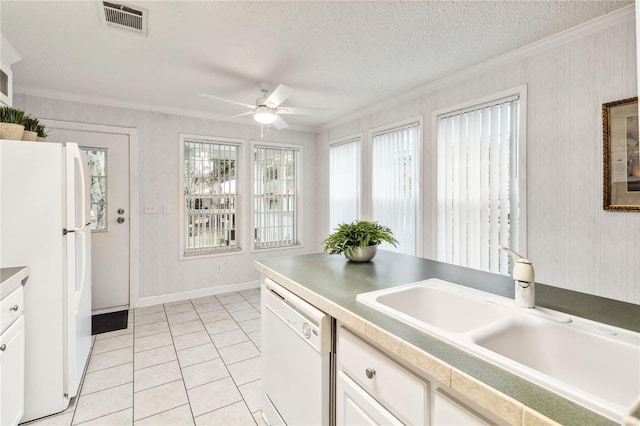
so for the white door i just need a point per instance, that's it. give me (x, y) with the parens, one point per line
(108, 157)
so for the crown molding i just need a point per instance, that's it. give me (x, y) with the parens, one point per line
(72, 97)
(590, 27)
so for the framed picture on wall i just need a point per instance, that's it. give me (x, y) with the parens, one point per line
(621, 155)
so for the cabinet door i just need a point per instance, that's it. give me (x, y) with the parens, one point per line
(12, 373)
(355, 407)
(449, 412)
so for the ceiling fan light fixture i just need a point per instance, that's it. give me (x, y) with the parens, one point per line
(264, 115)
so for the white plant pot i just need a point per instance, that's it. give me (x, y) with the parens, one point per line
(362, 255)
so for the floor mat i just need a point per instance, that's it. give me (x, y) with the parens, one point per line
(104, 323)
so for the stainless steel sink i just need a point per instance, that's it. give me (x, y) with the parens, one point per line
(593, 364)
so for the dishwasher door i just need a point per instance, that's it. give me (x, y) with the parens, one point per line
(296, 349)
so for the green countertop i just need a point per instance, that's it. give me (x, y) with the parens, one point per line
(339, 282)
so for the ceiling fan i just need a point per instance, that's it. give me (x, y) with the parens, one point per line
(267, 109)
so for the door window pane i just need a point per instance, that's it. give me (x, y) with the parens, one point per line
(97, 160)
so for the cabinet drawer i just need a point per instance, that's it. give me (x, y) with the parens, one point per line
(398, 390)
(11, 308)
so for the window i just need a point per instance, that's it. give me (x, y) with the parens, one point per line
(479, 206)
(275, 199)
(210, 196)
(395, 160)
(97, 161)
(344, 182)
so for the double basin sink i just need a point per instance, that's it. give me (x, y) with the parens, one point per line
(592, 364)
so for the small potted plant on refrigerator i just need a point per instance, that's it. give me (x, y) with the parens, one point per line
(12, 121)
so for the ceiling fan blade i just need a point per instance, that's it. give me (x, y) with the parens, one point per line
(300, 111)
(229, 117)
(278, 96)
(280, 123)
(218, 98)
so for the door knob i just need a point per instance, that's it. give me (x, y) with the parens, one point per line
(120, 219)
(120, 211)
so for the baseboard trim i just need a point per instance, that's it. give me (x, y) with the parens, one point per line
(194, 294)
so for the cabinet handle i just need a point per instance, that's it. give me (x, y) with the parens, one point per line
(370, 372)
(14, 308)
(3, 347)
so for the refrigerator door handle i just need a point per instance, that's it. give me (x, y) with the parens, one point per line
(83, 268)
(77, 157)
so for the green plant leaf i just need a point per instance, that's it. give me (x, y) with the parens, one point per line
(359, 233)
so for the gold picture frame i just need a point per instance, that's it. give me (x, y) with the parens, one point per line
(621, 162)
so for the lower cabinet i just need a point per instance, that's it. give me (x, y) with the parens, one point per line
(373, 389)
(12, 373)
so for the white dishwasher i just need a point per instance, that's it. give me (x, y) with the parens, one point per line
(297, 352)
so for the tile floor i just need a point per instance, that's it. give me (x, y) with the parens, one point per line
(195, 362)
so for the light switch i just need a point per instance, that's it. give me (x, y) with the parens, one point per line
(166, 208)
(150, 208)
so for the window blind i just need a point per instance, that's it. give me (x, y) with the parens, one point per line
(477, 186)
(395, 184)
(344, 182)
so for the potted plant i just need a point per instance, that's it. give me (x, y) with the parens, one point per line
(12, 123)
(42, 135)
(358, 240)
(30, 129)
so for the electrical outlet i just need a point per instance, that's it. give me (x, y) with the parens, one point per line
(166, 208)
(150, 208)
(218, 268)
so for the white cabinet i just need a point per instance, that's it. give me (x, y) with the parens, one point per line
(373, 389)
(449, 412)
(12, 358)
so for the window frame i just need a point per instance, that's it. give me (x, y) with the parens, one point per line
(299, 195)
(358, 140)
(368, 213)
(520, 163)
(238, 143)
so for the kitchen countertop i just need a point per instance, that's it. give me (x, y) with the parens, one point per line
(12, 278)
(332, 284)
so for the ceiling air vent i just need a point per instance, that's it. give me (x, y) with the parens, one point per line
(123, 16)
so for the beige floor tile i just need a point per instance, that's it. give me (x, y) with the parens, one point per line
(220, 326)
(245, 315)
(229, 298)
(120, 418)
(161, 398)
(246, 371)
(253, 298)
(240, 352)
(209, 307)
(98, 404)
(239, 306)
(197, 354)
(190, 340)
(151, 329)
(55, 420)
(205, 372)
(236, 414)
(153, 357)
(182, 317)
(112, 344)
(180, 416)
(204, 300)
(257, 306)
(148, 310)
(157, 375)
(178, 308)
(214, 316)
(212, 396)
(186, 327)
(107, 378)
(228, 338)
(110, 359)
(150, 319)
(153, 341)
(251, 325)
(252, 394)
(256, 338)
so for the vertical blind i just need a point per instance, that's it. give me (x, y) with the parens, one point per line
(395, 184)
(275, 203)
(478, 186)
(344, 182)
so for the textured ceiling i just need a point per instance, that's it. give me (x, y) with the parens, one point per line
(340, 56)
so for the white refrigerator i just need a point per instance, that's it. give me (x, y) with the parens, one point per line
(45, 224)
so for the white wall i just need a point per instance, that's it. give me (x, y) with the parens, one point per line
(572, 241)
(161, 273)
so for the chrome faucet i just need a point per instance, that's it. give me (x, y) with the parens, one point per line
(523, 276)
